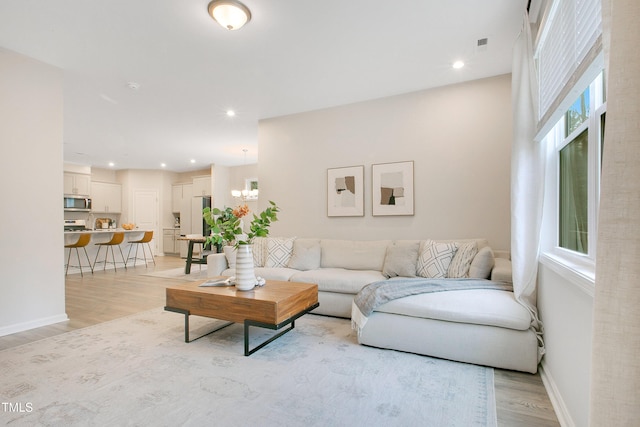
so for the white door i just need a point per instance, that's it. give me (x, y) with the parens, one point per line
(146, 212)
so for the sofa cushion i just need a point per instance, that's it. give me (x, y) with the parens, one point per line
(461, 262)
(354, 254)
(338, 280)
(276, 273)
(401, 259)
(482, 264)
(230, 255)
(279, 251)
(435, 258)
(306, 254)
(476, 306)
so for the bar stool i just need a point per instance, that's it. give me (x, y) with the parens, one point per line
(82, 242)
(116, 240)
(148, 235)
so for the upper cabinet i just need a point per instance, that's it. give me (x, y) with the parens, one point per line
(202, 186)
(177, 196)
(106, 197)
(77, 184)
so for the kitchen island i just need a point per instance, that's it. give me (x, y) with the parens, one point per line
(101, 236)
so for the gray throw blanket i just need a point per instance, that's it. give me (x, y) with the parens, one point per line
(377, 293)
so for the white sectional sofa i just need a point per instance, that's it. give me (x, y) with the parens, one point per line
(481, 326)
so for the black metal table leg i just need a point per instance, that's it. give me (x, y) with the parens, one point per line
(290, 321)
(187, 267)
(186, 324)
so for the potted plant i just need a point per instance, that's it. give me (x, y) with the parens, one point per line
(226, 228)
(226, 224)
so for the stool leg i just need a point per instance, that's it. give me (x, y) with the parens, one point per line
(113, 257)
(122, 256)
(79, 262)
(96, 260)
(88, 260)
(151, 252)
(129, 256)
(135, 257)
(68, 260)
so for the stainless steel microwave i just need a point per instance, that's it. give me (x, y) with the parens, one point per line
(77, 204)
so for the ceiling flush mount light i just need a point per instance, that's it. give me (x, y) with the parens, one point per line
(458, 64)
(231, 14)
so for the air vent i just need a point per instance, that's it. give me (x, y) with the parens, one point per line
(482, 45)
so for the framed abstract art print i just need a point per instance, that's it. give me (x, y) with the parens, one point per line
(345, 191)
(392, 188)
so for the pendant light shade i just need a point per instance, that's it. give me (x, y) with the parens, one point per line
(231, 14)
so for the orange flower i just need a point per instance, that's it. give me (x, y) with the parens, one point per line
(241, 211)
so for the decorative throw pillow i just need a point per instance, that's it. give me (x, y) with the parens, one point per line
(482, 264)
(401, 259)
(435, 258)
(461, 263)
(259, 251)
(279, 251)
(230, 254)
(306, 254)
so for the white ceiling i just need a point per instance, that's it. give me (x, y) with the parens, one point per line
(293, 56)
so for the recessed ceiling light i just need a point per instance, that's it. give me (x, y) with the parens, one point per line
(163, 165)
(111, 164)
(231, 113)
(458, 64)
(193, 160)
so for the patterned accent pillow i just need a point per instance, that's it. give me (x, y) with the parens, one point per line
(462, 261)
(279, 250)
(259, 251)
(435, 258)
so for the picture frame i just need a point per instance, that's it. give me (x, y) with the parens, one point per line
(251, 186)
(392, 191)
(345, 191)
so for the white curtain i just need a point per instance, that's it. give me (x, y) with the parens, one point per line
(527, 178)
(615, 370)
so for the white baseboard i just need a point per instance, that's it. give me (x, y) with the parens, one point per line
(36, 323)
(564, 418)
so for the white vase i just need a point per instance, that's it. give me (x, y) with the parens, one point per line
(245, 276)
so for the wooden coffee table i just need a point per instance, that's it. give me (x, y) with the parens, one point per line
(272, 306)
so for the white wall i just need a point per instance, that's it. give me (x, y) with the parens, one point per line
(31, 113)
(566, 310)
(459, 137)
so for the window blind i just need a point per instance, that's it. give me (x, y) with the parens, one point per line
(572, 29)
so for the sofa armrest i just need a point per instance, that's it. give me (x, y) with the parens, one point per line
(501, 271)
(216, 264)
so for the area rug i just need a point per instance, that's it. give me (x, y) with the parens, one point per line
(139, 371)
(198, 272)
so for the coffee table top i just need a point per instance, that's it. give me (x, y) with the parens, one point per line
(272, 303)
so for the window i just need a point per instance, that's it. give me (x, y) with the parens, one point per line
(577, 141)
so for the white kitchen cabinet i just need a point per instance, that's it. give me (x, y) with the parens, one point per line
(202, 186)
(176, 197)
(77, 184)
(169, 241)
(185, 209)
(106, 197)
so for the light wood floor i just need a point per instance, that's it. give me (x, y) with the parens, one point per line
(521, 399)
